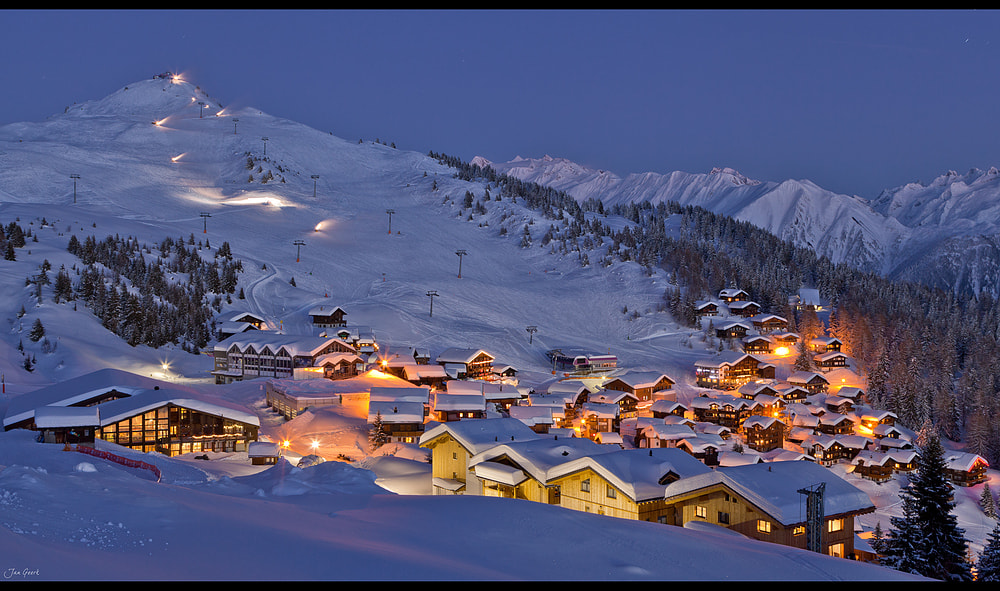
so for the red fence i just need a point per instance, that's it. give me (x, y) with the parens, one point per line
(119, 460)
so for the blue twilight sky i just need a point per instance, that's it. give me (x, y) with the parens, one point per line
(856, 101)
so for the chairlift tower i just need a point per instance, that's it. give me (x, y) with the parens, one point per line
(460, 253)
(75, 178)
(298, 248)
(432, 295)
(814, 516)
(314, 178)
(205, 217)
(531, 333)
(390, 212)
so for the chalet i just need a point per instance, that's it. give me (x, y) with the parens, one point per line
(770, 406)
(768, 323)
(838, 405)
(833, 423)
(723, 409)
(764, 433)
(787, 340)
(873, 465)
(456, 407)
(338, 366)
(791, 393)
(643, 385)
(758, 344)
(965, 469)
(239, 322)
(703, 449)
(751, 390)
(733, 295)
(663, 435)
(327, 316)
(502, 396)
(270, 354)
(609, 438)
(290, 397)
(831, 360)
(855, 394)
(764, 501)
(453, 444)
(829, 449)
(807, 299)
(825, 344)
(628, 484)
(713, 431)
(811, 381)
(538, 418)
(362, 338)
(729, 458)
(599, 417)
(728, 370)
(660, 409)
(402, 422)
(466, 363)
(731, 330)
(433, 376)
(263, 453)
(744, 309)
(504, 373)
(626, 402)
(706, 308)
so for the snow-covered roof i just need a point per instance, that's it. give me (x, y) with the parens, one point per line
(532, 415)
(773, 487)
(324, 310)
(724, 358)
(636, 472)
(263, 449)
(454, 355)
(421, 372)
(444, 402)
(396, 411)
(117, 410)
(79, 389)
(963, 461)
(760, 421)
(295, 345)
(420, 394)
(52, 417)
(643, 379)
(477, 435)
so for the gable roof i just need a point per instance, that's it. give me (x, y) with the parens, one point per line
(454, 355)
(477, 435)
(773, 488)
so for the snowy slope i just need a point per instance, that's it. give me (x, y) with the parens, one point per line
(67, 516)
(914, 232)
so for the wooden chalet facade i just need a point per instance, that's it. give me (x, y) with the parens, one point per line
(725, 410)
(728, 371)
(764, 433)
(472, 364)
(758, 344)
(810, 381)
(702, 309)
(643, 385)
(744, 308)
(830, 360)
(769, 323)
(731, 330)
(268, 354)
(326, 316)
(401, 421)
(721, 498)
(965, 469)
(733, 294)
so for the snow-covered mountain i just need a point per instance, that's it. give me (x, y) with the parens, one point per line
(915, 232)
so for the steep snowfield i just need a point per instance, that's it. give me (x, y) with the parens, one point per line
(913, 232)
(73, 517)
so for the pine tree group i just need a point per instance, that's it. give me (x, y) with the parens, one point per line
(988, 567)
(926, 540)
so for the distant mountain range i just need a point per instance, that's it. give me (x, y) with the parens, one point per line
(945, 234)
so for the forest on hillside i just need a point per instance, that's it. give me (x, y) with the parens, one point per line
(929, 356)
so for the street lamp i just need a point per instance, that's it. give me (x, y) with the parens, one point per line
(460, 253)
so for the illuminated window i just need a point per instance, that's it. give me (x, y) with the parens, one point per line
(764, 526)
(798, 530)
(701, 511)
(835, 525)
(836, 550)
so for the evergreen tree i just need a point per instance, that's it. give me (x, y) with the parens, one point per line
(986, 502)
(988, 567)
(377, 436)
(37, 331)
(927, 540)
